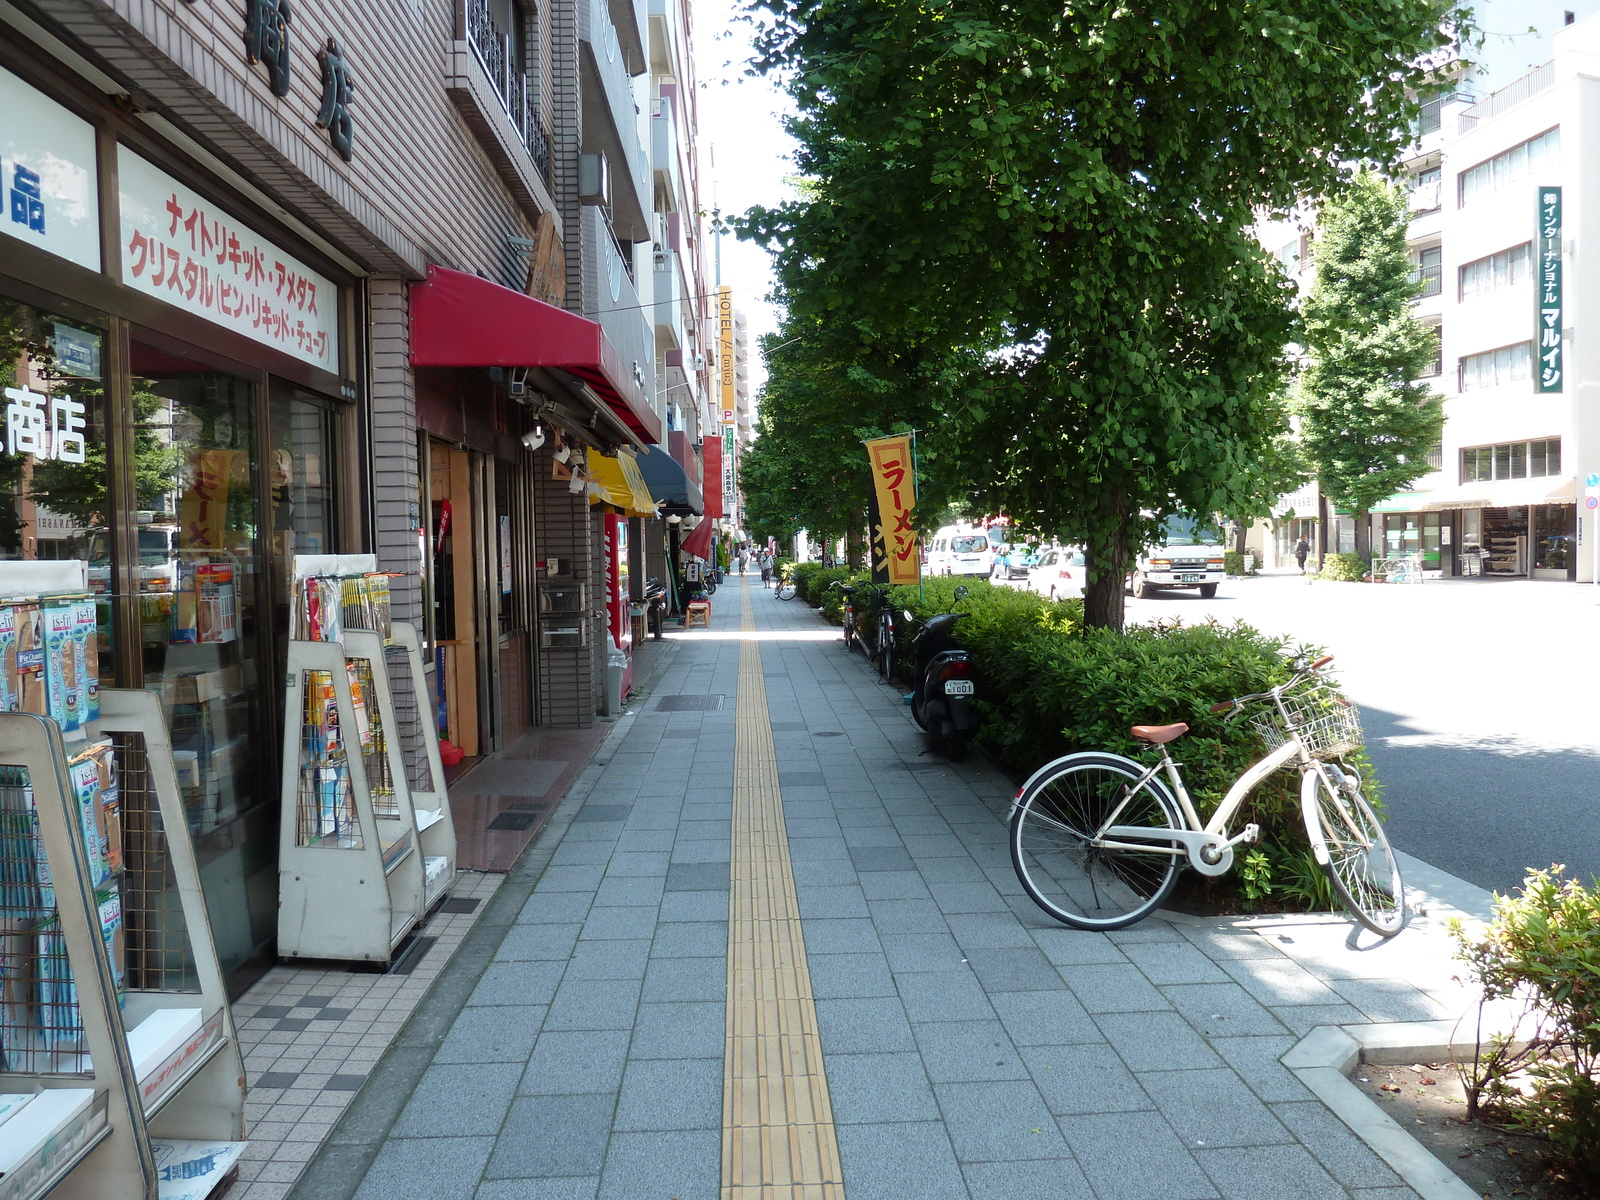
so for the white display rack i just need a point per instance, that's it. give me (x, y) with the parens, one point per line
(106, 1097)
(363, 855)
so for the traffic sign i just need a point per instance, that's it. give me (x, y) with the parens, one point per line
(1591, 502)
(1593, 480)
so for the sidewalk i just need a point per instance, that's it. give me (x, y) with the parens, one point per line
(917, 1017)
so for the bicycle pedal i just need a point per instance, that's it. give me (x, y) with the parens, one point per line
(1252, 834)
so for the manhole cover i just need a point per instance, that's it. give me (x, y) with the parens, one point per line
(512, 819)
(700, 703)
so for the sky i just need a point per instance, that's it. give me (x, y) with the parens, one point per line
(745, 157)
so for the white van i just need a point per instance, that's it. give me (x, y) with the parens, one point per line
(1189, 554)
(960, 550)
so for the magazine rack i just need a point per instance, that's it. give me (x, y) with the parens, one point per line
(436, 826)
(108, 1095)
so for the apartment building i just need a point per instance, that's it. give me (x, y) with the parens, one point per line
(1503, 184)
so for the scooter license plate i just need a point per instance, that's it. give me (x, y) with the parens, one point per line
(1190, 579)
(958, 687)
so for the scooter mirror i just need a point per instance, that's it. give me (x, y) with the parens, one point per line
(961, 592)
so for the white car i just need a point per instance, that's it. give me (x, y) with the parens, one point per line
(960, 550)
(1058, 573)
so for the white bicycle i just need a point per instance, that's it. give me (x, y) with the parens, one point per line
(1098, 839)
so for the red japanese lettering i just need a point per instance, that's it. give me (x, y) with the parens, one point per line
(139, 247)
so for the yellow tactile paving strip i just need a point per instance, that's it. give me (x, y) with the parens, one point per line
(777, 1123)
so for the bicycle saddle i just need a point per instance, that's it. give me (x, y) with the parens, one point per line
(1160, 735)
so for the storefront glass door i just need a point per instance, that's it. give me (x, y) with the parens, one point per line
(1413, 533)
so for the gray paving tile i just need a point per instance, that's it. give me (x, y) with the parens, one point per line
(691, 939)
(887, 857)
(837, 900)
(1135, 1156)
(1277, 981)
(643, 1166)
(879, 1088)
(424, 1169)
(1113, 987)
(1156, 1041)
(1343, 1154)
(695, 906)
(967, 897)
(1255, 1060)
(696, 877)
(553, 1135)
(967, 1052)
(711, 850)
(554, 908)
(594, 1004)
(671, 979)
(1222, 1010)
(895, 1162)
(628, 891)
(564, 1188)
(649, 865)
(1303, 1018)
(1083, 1079)
(824, 872)
(1018, 969)
(517, 983)
(670, 1093)
(572, 878)
(893, 885)
(1213, 1108)
(1045, 1179)
(1076, 947)
(1269, 1173)
(951, 870)
(815, 849)
(1227, 942)
(625, 922)
(839, 976)
(936, 845)
(922, 952)
(943, 996)
(487, 1035)
(863, 1026)
(1172, 961)
(1000, 1121)
(458, 1100)
(528, 943)
(868, 835)
(989, 931)
(1046, 1018)
(841, 936)
(680, 1030)
(612, 958)
(578, 1061)
(1390, 1000)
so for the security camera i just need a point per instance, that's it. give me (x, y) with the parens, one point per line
(534, 438)
(518, 384)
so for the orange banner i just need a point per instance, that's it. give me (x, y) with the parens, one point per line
(895, 482)
(203, 510)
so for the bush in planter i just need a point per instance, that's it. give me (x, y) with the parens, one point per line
(1343, 568)
(1235, 563)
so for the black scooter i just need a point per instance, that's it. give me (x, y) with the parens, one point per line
(943, 684)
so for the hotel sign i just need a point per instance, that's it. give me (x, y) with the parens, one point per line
(1549, 325)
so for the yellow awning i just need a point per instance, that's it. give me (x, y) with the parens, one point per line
(622, 484)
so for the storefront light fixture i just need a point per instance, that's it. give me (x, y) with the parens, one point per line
(674, 519)
(534, 438)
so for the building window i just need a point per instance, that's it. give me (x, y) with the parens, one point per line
(1511, 460)
(1436, 456)
(1497, 368)
(1436, 367)
(1510, 167)
(1289, 254)
(1425, 191)
(1495, 272)
(1427, 269)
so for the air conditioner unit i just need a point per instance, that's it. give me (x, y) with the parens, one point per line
(594, 179)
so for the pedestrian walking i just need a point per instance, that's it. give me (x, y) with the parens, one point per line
(1301, 549)
(743, 557)
(766, 569)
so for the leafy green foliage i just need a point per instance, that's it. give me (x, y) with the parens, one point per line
(1343, 568)
(1033, 219)
(1543, 949)
(1366, 424)
(1234, 563)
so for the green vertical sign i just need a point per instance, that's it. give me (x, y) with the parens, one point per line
(1551, 364)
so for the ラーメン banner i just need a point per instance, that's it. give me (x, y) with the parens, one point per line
(894, 483)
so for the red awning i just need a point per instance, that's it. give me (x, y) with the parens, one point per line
(462, 320)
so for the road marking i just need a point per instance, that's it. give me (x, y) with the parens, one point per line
(777, 1121)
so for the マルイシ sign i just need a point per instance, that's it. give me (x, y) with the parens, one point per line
(1548, 286)
(895, 485)
(48, 180)
(179, 247)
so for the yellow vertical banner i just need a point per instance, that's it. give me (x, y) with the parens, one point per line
(203, 509)
(894, 481)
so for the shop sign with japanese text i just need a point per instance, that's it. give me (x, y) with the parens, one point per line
(181, 248)
(894, 482)
(725, 347)
(48, 180)
(1551, 365)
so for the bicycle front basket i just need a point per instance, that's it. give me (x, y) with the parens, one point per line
(1327, 723)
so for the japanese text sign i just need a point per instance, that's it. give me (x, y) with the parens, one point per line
(46, 427)
(725, 347)
(181, 248)
(1548, 289)
(48, 188)
(894, 480)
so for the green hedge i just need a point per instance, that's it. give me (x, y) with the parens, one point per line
(1342, 568)
(1235, 563)
(1047, 687)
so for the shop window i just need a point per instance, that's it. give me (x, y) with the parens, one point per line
(1495, 272)
(1511, 460)
(53, 450)
(1511, 166)
(1553, 536)
(1497, 368)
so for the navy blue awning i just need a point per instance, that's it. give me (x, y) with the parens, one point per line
(669, 482)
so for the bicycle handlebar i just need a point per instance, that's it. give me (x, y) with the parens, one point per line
(1236, 705)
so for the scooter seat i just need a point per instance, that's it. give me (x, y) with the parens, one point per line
(1160, 735)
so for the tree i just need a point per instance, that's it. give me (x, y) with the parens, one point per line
(1052, 201)
(1366, 424)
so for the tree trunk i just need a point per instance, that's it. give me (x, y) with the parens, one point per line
(1240, 530)
(1107, 555)
(1364, 538)
(852, 547)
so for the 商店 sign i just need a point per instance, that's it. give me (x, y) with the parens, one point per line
(179, 247)
(49, 190)
(1547, 281)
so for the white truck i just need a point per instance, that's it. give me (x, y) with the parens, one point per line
(1189, 554)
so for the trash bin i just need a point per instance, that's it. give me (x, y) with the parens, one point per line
(616, 664)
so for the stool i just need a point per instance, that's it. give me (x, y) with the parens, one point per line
(698, 610)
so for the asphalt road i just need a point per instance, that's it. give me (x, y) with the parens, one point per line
(1480, 700)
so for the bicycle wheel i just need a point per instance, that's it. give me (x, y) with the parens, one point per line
(1052, 833)
(1349, 843)
(849, 631)
(885, 644)
(785, 591)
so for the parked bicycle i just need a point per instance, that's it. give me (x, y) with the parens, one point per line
(1098, 839)
(786, 582)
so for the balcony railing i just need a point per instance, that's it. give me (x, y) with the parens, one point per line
(494, 53)
(1431, 278)
(1515, 92)
(1426, 196)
